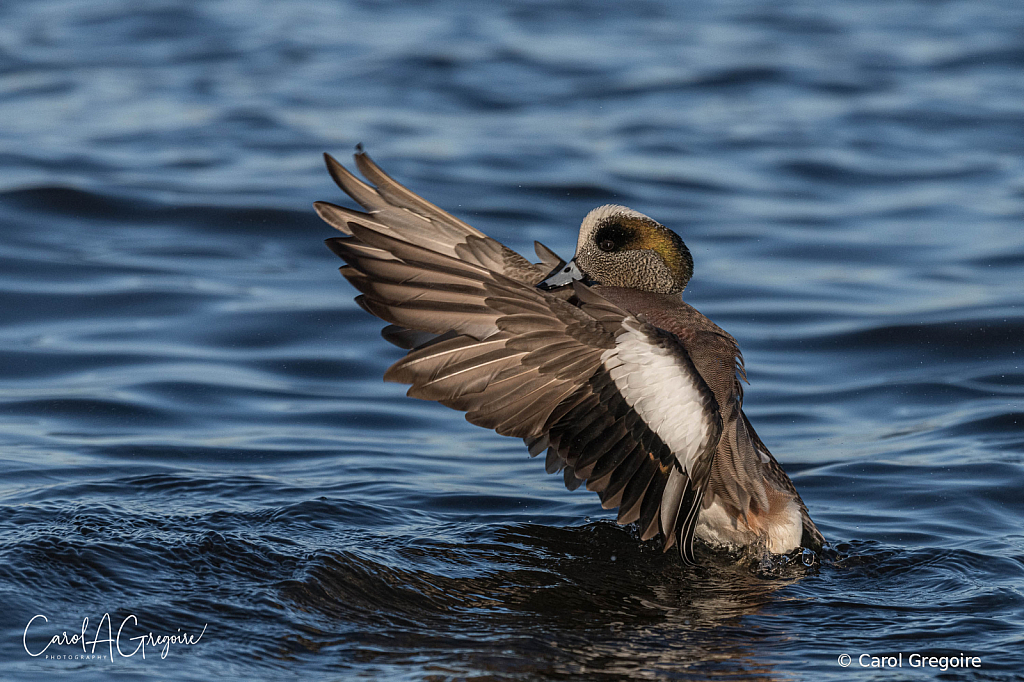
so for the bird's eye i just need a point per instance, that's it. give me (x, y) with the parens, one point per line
(606, 245)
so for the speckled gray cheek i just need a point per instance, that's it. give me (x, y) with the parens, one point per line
(644, 270)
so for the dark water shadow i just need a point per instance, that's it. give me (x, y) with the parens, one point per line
(534, 602)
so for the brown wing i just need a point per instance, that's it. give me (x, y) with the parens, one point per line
(396, 211)
(593, 384)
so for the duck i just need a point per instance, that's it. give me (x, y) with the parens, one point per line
(596, 361)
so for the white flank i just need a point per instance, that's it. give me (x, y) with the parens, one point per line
(661, 391)
(718, 527)
(785, 536)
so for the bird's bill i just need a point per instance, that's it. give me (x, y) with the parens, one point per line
(562, 276)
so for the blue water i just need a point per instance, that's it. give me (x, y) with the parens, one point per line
(193, 428)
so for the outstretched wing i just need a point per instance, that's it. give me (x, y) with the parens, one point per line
(394, 210)
(617, 399)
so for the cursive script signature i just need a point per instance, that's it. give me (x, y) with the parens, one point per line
(114, 642)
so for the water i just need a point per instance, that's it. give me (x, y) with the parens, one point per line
(193, 428)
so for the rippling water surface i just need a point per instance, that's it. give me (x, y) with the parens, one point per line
(193, 428)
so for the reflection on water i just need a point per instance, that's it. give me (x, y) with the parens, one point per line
(534, 590)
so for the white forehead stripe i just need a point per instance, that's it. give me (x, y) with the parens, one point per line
(662, 391)
(608, 210)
